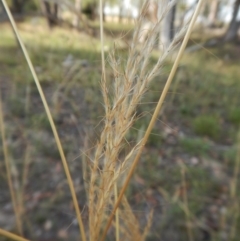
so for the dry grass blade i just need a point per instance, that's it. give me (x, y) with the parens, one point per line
(131, 227)
(148, 226)
(121, 100)
(55, 133)
(93, 221)
(11, 235)
(233, 191)
(185, 200)
(26, 164)
(102, 41)
(236, 169)
(8, 170)
(117, 214)
(155, 115)
(235, 215)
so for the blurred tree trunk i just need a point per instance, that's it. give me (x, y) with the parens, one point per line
(51, 13)
(76, 21)
(104, 15)
(232, 32)
(168, 29)
(17, 6)
(2, 11)
(3, 14)
(213, 13)
(120, 16)
(91, 10)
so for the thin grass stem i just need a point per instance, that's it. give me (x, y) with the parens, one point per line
(234, 183)
(117, 214)
(102, 39)
(12, 236)
(236, 169)
(155, 115)
(55, 133)
(103, 55)
(8, 170)
(185, 201)
(235, 214)
(26, 164)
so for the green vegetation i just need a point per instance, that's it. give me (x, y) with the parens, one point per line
(195, 146)
(206, 125)
(234, 116)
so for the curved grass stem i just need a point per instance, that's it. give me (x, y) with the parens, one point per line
(8, 171)
(55, 133)
(11, 235)
(117, 214)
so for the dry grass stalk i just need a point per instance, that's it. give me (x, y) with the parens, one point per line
(235, 215)
(234, 181)
(131, 227)
(128, 94)
(26, 164)
(11, 235)
(233, 191)
(120, 106)
(59, 145)
(117, 214)
(8, 171)
(129, 87)
(185, 200)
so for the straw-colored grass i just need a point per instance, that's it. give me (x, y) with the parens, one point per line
(8, 166)
(11, 235)
(107, 166)
(55, 133)
(129, 87)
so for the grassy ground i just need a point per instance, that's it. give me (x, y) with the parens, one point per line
(192, 149)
